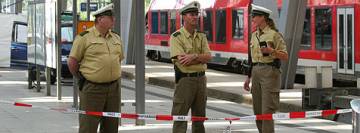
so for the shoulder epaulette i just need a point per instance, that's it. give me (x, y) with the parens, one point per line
(115, 33)
(83, 33)
(280, 35)
(176, 34)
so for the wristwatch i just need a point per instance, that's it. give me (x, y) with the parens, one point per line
(196, 56)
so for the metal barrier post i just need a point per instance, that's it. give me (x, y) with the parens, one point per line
(355, 105)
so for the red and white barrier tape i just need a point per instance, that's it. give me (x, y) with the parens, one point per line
(277, 116)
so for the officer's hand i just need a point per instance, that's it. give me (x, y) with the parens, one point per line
(246, 84)
(266, 50)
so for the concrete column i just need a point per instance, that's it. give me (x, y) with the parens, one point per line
(139, 58)
(326, 77)
(310, 77)
(291, 26)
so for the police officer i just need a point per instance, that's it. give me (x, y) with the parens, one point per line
(267, 49)
(190, 52)
(95, 57)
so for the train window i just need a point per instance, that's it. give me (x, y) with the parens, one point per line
(172, 21)
(305, 38)
(164, 22)
(208, 25)
(154, 23)
(238, 23)
(220, 26)
(323, 30)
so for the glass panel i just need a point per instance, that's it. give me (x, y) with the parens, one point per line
(39, 33)
(220, 26)
(21, 33)
(305, 38)
(350, 42)
(164, 22)
(238, 23)
(208, 25)
(66, 34)
(341, 41)
(323, 18)
(154, 23)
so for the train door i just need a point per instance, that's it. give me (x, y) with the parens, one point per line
(345, 40)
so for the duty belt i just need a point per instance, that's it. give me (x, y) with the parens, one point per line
(106, 83)
(262, 64)
(179, 74)
(195, 74)
(276, 63)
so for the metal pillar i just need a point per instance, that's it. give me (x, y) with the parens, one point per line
(48, 80)
(117, 13)
(130, 18)
(47, 68)
(38, 86)
(117, 28)
(88, 10)
(140, 58)
(355, 105)
(291, 26)
(58, 48)
(75, 83)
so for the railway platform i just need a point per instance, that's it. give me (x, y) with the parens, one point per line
(221, 85)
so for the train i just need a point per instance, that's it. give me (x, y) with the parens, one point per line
(328, 38)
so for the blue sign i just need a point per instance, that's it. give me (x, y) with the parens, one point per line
(93, 6)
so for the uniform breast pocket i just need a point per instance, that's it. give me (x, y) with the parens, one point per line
(96, 48)
(189, 49)
(116, 48)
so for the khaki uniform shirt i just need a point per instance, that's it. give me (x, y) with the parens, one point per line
(182, 42)
(272, 38)
(99, 57)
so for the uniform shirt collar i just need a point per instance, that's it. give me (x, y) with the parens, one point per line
(266, 29)
(97, 33)
(187, 34)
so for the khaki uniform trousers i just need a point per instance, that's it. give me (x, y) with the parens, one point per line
(101, 98)
(265, 92)
(190, 93)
